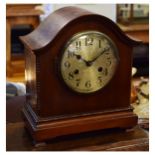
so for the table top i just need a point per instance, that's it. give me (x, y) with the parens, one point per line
(18, 139)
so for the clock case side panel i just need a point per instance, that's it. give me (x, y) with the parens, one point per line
(31, 69)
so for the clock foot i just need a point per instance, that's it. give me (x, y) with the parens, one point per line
(39, 144)
(131, 129)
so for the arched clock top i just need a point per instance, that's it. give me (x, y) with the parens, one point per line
(61, 20)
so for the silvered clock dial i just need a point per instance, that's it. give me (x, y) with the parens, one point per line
(89, 61)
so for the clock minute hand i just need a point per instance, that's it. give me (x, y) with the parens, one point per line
(106, 49)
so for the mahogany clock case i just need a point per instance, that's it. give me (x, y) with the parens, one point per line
(52, 107)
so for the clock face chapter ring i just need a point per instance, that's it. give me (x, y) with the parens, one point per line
(88, 62)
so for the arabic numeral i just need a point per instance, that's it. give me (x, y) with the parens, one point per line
(89, 41)
(88, 84)
(99, 43)
(106, 72)
(78, 82)
(70, 54)
(67, 64)
(108, 61)
(70, 76)
(78, 45)
(99, 79)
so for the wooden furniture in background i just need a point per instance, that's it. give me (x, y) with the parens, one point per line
(137, 31)
(18, 14)
(128, 14)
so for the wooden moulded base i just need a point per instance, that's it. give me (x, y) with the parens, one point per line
(44, 129)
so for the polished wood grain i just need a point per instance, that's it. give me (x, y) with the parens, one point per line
(51, 108)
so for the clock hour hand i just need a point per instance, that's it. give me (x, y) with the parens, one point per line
(80, 58)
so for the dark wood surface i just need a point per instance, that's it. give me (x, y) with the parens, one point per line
(18, 139)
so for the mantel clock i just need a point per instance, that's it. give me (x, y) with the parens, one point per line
(78, 75)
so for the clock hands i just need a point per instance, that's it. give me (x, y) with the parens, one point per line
(89, 62)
